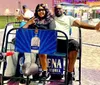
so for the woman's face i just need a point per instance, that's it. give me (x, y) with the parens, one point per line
(41, 12)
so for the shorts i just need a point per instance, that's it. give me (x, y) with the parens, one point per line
(73, 45)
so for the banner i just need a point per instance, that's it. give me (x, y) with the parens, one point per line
(37, 41)
(55, 64)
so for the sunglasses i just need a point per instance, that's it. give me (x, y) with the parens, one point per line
(59, 8)
(40, 10)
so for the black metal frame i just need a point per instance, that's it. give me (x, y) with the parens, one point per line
(5, 33)
(79, 56)
(4, 45)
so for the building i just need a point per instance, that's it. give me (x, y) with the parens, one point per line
(12, 5)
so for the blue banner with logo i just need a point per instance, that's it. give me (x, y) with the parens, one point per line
(55, 64)
(37, 41)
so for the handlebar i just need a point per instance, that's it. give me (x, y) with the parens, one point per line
(10, 53)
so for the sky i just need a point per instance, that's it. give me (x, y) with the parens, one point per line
(12, 5)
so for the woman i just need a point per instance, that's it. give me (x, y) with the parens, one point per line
(42, 19)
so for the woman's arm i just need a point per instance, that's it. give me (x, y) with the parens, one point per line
(52, 24)
(31, 21)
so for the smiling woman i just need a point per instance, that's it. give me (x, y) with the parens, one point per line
(43, 19)
(41, 12)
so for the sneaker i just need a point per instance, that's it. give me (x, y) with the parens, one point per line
(70, 78)
(45, 74)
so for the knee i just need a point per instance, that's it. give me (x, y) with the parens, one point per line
(72, 54)
(42, 55)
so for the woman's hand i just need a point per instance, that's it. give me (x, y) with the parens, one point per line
(31, 21)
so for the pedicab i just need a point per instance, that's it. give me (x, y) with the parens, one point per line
(21, 42)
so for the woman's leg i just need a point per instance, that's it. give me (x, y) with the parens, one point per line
(43, 61)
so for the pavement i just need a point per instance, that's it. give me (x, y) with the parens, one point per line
(90, 57)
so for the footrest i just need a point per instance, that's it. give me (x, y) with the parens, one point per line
(58, 54)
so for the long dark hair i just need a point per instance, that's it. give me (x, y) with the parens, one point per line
(48, 16)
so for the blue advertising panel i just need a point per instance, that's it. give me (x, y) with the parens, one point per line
(55, 64)
(37, 41)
